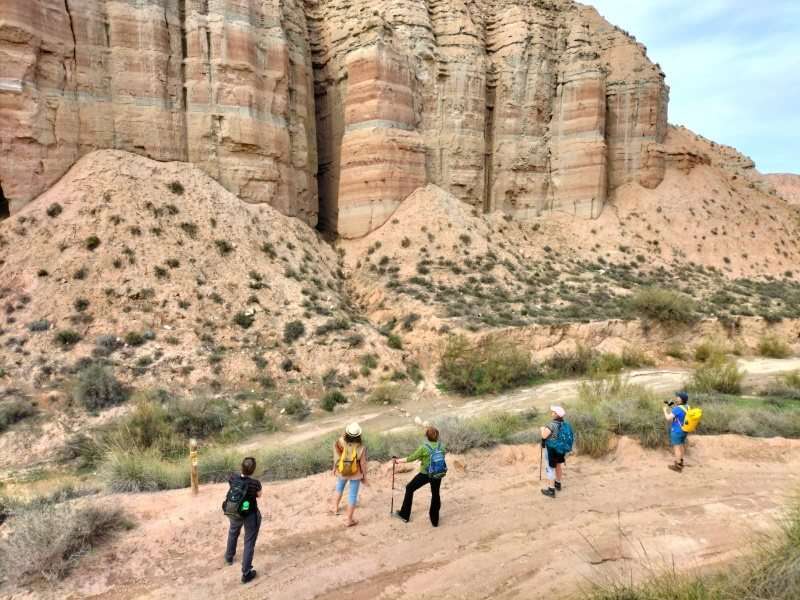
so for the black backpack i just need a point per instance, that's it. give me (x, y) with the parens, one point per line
(236, 505)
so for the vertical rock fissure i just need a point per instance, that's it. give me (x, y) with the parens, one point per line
(5, 209)
(488, 164)
(72, 29)
(184, 90)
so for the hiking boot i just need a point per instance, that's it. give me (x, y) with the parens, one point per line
(549, 492)
(249, 576)
(400, 516)
(228, 562)
(676, 467)
(558, 486)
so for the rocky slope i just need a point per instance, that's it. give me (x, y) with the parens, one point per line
(159, 270)
(787, 185)
(508, 105)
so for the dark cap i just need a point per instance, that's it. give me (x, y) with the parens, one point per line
(683, 396)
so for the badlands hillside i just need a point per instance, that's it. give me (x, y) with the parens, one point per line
(250, 222)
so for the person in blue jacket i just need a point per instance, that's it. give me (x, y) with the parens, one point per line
(675, 413)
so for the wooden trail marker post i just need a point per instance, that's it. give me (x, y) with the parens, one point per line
(193, 462)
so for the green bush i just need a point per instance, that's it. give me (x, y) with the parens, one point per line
(772, 346)
(297, 408)
(98, 388)
(50, 540)
(199, 416)
(635, 358)
(710, 349)
(292, 331)
(388, 393)
(14, 410)
(487, 366)
(717, 374)
(66, 338)
(126, 470)
(460, 435)
(244, 320)
(663, 306)
(395, 341)
(331, 399)
(570, 363)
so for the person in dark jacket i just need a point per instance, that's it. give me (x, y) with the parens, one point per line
(422, 454)
(251, 521)
(555, 460)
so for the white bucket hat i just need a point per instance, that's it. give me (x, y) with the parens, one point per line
(353, 430)
(558, 410)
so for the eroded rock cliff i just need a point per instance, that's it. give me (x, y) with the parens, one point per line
(336, 110)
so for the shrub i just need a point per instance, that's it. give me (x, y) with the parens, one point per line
(66, 338)
(224, 247)
(395, 341)
(134, 338)
(487, 366)
(710, 349)
(244, 320)
(176, 187)
(126, 470)
(718, 374)
(97, 388)
(331, 399)
(199, 416)
(634, 358)
(387, 393)
(40, 325)
(664, 306)
(292, 331)
(54, 210)
(772, 346)
(50, 540)
(14, 410)
(92, 242)
(297, 408)
(573, 363)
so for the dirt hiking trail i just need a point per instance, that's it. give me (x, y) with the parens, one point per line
(498, 536)
(433, 405)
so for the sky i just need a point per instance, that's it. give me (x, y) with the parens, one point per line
(733, 67)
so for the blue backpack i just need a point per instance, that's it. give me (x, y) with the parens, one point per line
(437, 467)
(563, 441)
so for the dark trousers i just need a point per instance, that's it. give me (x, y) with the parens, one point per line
(251, 524)
(436, 503)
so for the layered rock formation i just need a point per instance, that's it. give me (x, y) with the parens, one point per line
(335, 110)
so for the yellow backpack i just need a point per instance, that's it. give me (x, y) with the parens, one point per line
(349, 460)
(692, 418)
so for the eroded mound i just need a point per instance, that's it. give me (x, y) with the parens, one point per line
(158, 270)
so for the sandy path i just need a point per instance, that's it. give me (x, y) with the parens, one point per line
(498, 538)
(540, 396)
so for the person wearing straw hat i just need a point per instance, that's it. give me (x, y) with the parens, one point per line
(349, 465)
(556, 438)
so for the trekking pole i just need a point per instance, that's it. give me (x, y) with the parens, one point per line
(541, 458)
(391, 506)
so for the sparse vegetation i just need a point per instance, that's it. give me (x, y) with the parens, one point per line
(66, 338)
(293, 331)
(332, 399)
(92, 242)
(176, 187)
(717, 374)
(54, 210)
(50, 540)
(487, 366)
(296, 407)
(98, 388)
(224, 247)
(13, 410)
(772, 346)
(244, 320)
(664, 306)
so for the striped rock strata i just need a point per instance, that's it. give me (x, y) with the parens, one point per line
(335, 110)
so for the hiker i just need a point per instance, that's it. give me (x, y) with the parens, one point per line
(557, 439)
(677, 435)
(349, 465)
(431, 471)
(241, 508)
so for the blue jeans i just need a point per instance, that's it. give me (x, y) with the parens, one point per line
(352, 496)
